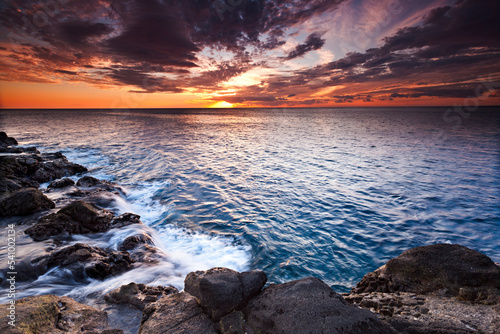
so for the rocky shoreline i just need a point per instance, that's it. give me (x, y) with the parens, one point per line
(432, 289)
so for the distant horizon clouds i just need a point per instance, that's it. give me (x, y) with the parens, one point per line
(248, 53)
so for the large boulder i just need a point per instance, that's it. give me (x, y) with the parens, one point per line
(308, 306)
(221, 291)
(176, 313)
(138, 295)
(85, 261)
(56, 315)
(56, 168)
(444, 269)
(24, 202)
(13, 175)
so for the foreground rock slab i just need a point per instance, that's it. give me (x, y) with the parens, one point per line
(443, 269)
(138, 295)
(51, 314)
(308, 306)
(177, 313)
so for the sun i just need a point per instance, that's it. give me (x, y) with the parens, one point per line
(221, 104)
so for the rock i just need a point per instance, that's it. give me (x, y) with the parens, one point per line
(6, 141)
(55, 166)
(221, 291)
(308, 306)
(135, 241)
(56, 315)
(62, 183)
(441, 269)
(176, 313)
(125, 220)
(76, 218)
(24, 202)
(13, 175)
(92, 182)
(83, 260)
(138, 295)
(411, 313)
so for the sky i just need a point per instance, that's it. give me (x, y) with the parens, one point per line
(248, 53)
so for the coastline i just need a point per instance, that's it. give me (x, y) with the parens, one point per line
(221, 300)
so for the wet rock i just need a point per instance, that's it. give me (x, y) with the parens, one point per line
(308, 306)
(76, 218)
(62, 183)
(411, 313)
(92, 182)
(221, 291)
(55, 166)
(13, 175)
(138, 295)
(57, 315)
(24, 202)
(6, 141)
(440, 269)
(141, 248)
(86, 261)
(125, 220)
(176, 313)
(135, 241)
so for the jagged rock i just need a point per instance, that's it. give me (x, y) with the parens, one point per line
(125, 220)
(56, 315)
(83, 260)
(24, 202)
(55, 166)
(76, 218)
(6, 141)
(138, 295)
(221, 291)
(141, 248)
(135, 241)
(176, 313)
(62, 183)
(308, 306)
(13, 175)
(410, 313)
(91, 182)
(443, 269)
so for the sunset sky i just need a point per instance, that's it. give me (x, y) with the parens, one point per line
(248, 53)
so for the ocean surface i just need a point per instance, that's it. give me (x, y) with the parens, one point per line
(330, 193)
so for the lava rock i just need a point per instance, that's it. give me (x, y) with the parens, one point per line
(13, 175)
(221, 291)
(125, 220)
(444, 269)
(56, 315)
(92, 182)
(176, 313)
(135, 241)
(24, 202)
(138, 295)
(62, 183)
(76, 218)
(6, 141)
(308, 306)
(86, 261)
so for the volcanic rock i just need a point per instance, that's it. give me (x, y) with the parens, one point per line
(62, 183)
(138, 295)
(24, 202)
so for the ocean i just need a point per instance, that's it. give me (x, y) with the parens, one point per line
(332, 193)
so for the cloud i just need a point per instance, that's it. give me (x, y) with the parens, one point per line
(313, 42)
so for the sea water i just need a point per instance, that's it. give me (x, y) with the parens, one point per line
(332, 193)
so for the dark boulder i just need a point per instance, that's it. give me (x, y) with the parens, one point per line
(6, 141)
(221, 291)
(176, 313)
(13, 175)
(62, 183)
(443, 269)
(24, 202)
(92, 182)
(308, 306)
(135, 241)
(125, 220)
(138, 295)
(75, 218)
(55, 315)
(55, 166)
(86, 261)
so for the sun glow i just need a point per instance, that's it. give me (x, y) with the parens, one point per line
(221, 104)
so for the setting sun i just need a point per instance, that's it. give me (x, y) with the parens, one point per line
(221, 104)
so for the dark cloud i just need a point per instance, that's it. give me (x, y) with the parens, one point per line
(77, 32)
(66, 72)
(147, 82)
(313, 42)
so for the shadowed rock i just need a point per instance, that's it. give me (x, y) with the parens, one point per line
(55, 315)
(443, 269)
(177, 313)
(24, 202)
(83, 260)
(63, 183)
(308, 306)
(138, 295)
(6, 141)
(92, 182)
(79, 218)
(55, 166)
(221, 290)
